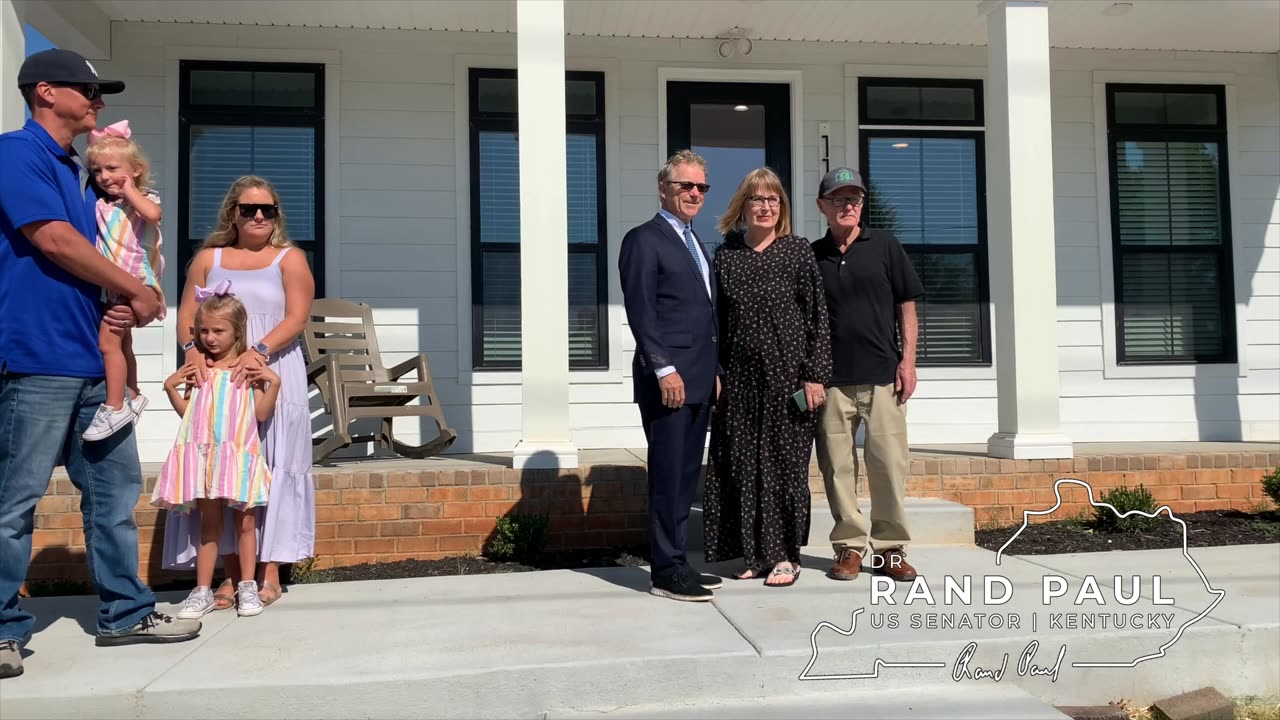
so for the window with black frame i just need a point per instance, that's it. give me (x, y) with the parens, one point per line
(922, 155)
(495, 219)
(1170, 224)
(244, 118)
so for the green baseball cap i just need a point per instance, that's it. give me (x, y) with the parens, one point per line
(840, 178)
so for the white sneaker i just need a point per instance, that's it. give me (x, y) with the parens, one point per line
(197, 604)
(107, 421)
(138, 404)
(249, 603)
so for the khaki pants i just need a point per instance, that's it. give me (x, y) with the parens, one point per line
(888, 463)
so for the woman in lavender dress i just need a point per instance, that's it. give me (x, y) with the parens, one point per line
(251, 252)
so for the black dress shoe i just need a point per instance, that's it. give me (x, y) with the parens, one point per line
(680, 585)
(710, 582)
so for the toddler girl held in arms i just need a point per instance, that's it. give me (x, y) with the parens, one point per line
(128, 235)
(217, 458)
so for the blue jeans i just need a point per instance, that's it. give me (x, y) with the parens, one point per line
(41, 420)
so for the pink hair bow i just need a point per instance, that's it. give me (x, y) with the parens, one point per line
(117, 129)
(222, 288)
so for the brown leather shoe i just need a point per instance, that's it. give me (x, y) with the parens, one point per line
(893, 563)
(847, 566)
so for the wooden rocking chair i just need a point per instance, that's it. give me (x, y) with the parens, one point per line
(343, 362)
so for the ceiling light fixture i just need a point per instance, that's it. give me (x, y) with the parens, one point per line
(1120, 8)
(734, 42)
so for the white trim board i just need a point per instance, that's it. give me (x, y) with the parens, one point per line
(1106, 266)
(793, 78)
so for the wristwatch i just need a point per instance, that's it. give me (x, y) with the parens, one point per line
(261, 349)
(186, 347)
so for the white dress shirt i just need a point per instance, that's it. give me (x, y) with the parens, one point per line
(678, 225)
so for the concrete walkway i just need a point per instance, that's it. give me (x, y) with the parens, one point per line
(570, 643)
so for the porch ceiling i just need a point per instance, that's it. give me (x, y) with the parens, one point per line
(1218, 25)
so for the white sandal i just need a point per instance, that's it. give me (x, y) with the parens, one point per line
(790, 570)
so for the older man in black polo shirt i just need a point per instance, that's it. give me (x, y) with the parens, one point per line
(871, 289)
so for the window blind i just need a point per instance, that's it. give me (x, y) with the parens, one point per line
(499, 209)
(925, 190)
(950, 321)
(1171, 307)
(501, 310)
(283, 155)
(1169, 226)
(1167, 193)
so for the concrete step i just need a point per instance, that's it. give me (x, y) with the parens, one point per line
(928, 701)
(932, 522)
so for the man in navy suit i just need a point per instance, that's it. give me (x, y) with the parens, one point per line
(670, 292)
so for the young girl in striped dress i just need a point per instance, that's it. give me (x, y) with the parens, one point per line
(128, 216)
(217, 458)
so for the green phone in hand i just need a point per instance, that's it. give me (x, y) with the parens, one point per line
(802, 403)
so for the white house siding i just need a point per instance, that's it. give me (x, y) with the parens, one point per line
(399, 239)
(1099, 401)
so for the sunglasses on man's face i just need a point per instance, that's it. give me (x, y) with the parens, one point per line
(689, 186)
(248, 211)
(90, 92)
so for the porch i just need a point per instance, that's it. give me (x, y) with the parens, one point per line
(374, 511)
(394, 215)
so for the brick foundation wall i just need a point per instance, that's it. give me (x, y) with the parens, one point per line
(371, 516)
(999, 490)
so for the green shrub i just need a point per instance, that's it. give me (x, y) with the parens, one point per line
(1125, 499)
(303, 571)
(520, 537)
(1271, 485)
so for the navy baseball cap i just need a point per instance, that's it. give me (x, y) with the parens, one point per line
(64, 66)
(840, 178)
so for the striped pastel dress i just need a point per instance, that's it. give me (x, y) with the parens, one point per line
(131, 242)
(287, 525)
(217, 454)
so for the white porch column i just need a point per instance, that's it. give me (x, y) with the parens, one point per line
(545, 441)
(1021, 234)
(12, 53)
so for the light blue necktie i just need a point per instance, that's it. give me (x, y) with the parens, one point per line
(693, 249)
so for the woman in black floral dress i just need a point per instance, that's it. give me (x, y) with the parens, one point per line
(774, 343)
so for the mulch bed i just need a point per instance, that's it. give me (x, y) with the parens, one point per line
(633, 556)
(1209, 528)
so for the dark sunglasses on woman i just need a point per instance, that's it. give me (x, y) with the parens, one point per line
(249, 210)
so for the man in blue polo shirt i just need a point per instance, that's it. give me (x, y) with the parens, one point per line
(51, 373)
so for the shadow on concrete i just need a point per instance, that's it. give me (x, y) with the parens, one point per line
(62, 598)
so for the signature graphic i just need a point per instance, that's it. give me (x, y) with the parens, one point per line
(962, 668)
(853, 625)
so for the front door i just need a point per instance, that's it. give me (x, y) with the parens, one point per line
(736, 127)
